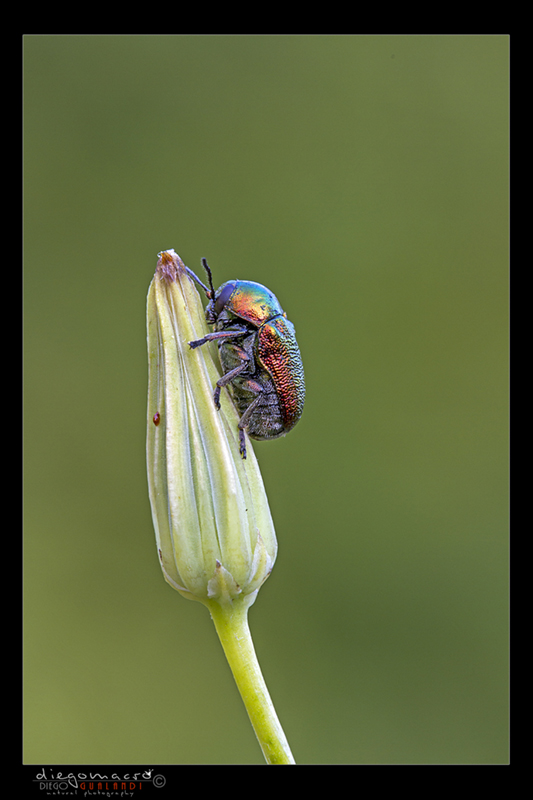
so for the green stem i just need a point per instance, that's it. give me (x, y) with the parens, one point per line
(231, 623)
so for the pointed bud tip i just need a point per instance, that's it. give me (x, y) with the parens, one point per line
(169, 264)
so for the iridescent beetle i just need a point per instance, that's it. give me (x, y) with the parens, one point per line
(259, 356)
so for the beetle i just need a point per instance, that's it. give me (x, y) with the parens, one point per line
(259, 355)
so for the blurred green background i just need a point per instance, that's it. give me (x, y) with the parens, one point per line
(364, 179)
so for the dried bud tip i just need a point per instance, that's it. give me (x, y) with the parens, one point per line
(168, 265)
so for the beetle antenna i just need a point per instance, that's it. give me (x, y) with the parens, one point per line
(210, 277)
(199, 282)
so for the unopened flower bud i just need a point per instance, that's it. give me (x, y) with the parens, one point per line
(214, 531)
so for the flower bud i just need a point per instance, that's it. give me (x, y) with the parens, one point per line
(214, 531)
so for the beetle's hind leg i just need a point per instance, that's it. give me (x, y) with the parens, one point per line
(242, 443)
(245, 419)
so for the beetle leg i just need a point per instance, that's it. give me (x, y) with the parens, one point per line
(243, 422)
(199, 282)
(229, 376)
(242, 443)
(209, 337)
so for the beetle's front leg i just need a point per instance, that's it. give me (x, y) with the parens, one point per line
(210, 337)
